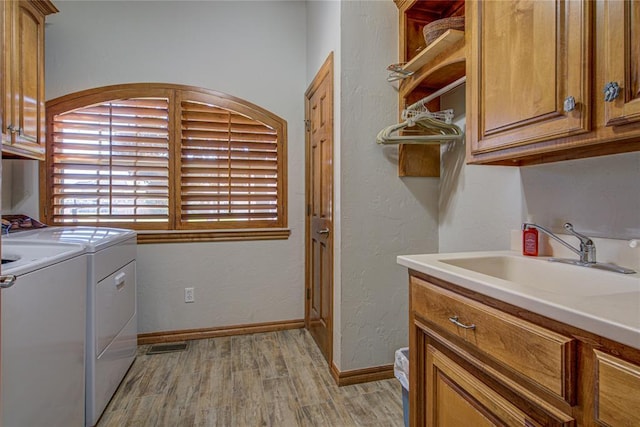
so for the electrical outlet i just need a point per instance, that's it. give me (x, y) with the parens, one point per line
(188, 295)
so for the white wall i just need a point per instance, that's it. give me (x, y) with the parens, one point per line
(599, 196)
(20, 187)
(254, 50)
(479, 205)
(382, 215)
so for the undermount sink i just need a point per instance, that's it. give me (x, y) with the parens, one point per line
(542, 275)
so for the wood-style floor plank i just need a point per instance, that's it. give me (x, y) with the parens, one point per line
(267, 379)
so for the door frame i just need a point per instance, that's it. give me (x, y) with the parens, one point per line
(325, 71)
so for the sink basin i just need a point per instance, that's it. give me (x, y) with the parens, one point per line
(598, 301)
(542, 275)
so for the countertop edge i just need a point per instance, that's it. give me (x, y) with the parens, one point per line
(598, 325)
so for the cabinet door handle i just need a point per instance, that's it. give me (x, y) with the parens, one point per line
(611, 91)
(323, 231)
(569, 104)
(456, 322)
(11, 128)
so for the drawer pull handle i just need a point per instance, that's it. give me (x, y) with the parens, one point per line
(456, 322)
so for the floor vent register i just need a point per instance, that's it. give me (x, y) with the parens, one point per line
(168, 347)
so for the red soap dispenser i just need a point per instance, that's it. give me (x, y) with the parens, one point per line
(529, 241)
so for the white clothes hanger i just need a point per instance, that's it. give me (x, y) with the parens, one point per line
(437, 123)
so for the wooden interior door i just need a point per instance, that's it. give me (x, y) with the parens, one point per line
(319, 200)
(622, 60)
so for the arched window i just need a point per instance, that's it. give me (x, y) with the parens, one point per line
(168, 158)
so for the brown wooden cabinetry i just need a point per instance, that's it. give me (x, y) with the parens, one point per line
(434, 66)
(536, 75)
(456, 398)
(23, 118)
(617, 385)
(521, 85)
(621, 62)
(477, 361)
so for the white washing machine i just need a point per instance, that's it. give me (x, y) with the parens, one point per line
(111, 306)
(43, 334)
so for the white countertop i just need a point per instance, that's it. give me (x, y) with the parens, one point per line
(609, 306)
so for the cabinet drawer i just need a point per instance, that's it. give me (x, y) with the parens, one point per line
(538, 354)
(616, 396)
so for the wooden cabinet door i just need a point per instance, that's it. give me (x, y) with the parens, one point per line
(524, 59)
(456, 398)
(6, 21)
(622, 60)
(616, 396)
(29, 78)
(23, 118)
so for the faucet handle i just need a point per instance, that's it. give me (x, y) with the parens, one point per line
(583, 239)
(587, 247)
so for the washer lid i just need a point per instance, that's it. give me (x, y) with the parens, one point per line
(93, 238)
(25, 256)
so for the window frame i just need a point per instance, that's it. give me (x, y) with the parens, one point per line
(174, 230)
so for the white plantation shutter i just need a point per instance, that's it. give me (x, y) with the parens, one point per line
(164, 157)
(229, 167)
(111, 163)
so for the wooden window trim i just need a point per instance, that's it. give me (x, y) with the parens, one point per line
(174, 230)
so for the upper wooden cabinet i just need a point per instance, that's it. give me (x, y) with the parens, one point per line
(536, 75)
(521, 78)
(23, 118)
(622, 60)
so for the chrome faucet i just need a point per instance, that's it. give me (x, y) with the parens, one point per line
(587, 251)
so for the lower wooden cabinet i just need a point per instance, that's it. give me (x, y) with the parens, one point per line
(454, 397)
(475, 361)
(616, 398)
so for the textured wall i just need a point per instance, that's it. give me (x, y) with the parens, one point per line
(478, 204)
(599, 196)
(382, 215)
(254, 50)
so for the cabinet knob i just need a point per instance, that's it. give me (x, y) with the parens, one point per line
(611, 91)
(11, 128)
(569, 104)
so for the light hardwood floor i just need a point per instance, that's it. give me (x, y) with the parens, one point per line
(268, 379)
